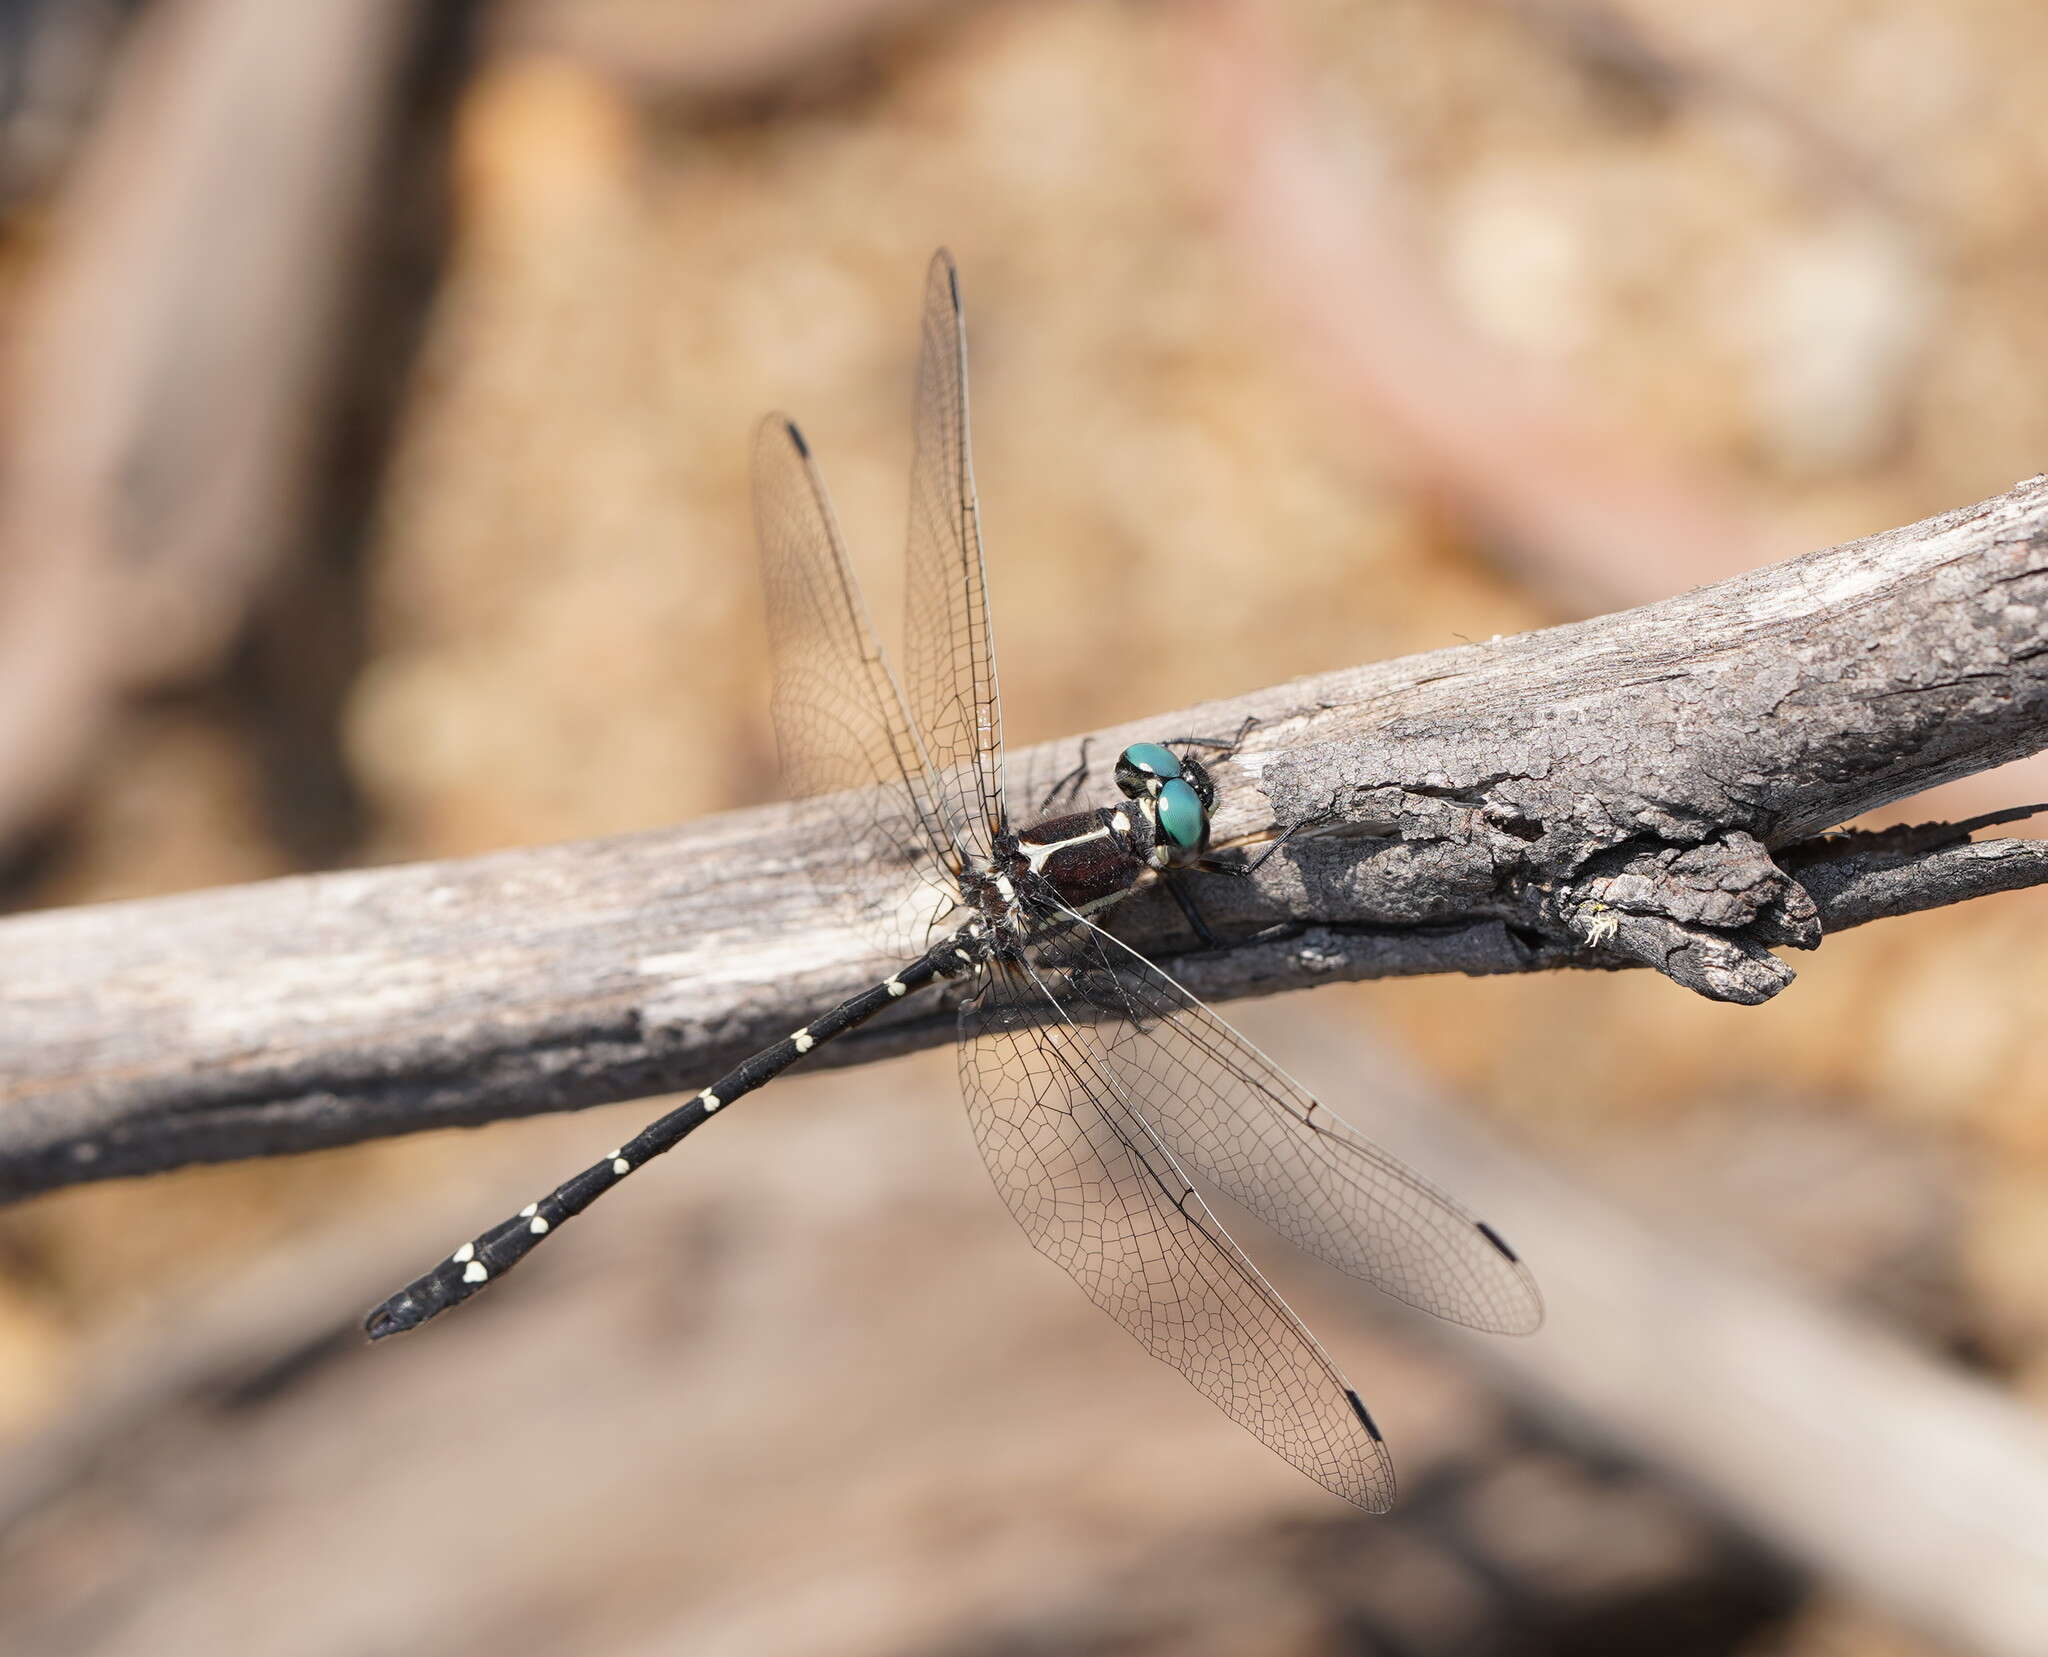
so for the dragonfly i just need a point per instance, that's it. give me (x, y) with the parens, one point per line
(1099, 1090)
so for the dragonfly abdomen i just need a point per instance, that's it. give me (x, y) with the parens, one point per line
(486, 1258)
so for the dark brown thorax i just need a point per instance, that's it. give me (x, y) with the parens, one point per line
(1089, 857)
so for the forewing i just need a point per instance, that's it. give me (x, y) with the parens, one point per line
(846, 739)
(1096, 1191)
(948, 648)
(1238, 1120)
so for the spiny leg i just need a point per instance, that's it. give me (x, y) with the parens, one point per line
(1189, 908)
(1222, 746)
(1238, 867)
(1070, 783)
(1212, 864)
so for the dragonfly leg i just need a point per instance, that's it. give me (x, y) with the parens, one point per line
(1222, 746)
(1188, 907)
(1070, 784)
(1244, 866)
(1199, 925)
(1234, 863)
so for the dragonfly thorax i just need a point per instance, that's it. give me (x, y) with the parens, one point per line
(1084, 860)
(1089, 859)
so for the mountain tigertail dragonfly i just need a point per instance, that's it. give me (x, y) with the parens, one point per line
(1095, 1085)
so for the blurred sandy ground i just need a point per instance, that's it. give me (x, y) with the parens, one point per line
(809, 1394)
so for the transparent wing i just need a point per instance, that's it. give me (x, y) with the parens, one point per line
(1097, 1191)
(1228, 1112)
(847, 742)
(948, 647)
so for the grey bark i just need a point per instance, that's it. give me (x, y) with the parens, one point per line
(1645, 788)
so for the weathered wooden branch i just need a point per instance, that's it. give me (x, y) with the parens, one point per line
(1648, 787)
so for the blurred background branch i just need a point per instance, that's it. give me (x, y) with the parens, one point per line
(1746, 1383)
(175, 359)
(1775, 1377)
(1561, 494)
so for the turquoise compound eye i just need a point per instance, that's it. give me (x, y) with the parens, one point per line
(1182, 817)
(1151, 759)
(1143, 766)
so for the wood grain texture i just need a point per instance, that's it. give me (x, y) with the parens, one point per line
(1639, 788)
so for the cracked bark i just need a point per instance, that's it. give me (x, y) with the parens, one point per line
(1647, 788)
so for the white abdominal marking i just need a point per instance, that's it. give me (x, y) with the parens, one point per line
(1035, 853)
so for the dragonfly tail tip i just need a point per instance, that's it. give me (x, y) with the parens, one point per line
(398, 1314)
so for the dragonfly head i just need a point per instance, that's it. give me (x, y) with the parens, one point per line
(1177, 792)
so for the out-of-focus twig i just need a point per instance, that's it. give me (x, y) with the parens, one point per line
(297, 1297)
(1599, 518)
(717, 55)
(1599, 514)
(1878, 1467)
(1876, 1464)
(268, 1354)
(169, 358)
(53, 64)
(1620, 48)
